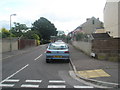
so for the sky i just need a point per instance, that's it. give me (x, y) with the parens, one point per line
(66, 15)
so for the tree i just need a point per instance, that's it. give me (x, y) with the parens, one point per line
(44, 28)
(37, 38)
(81, 36)
(19, 29)
(5, 33)
(60, 33)
(31, 35)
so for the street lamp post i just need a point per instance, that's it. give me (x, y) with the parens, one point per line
(10, 33)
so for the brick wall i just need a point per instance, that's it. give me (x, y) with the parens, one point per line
(23, 43)
(106, 48)
(106, 45)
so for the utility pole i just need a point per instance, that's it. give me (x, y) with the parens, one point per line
(10, 33)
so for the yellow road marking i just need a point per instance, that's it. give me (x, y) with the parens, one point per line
(93, 73)
(102, 73)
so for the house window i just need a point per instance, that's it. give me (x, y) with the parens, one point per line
(93, 22)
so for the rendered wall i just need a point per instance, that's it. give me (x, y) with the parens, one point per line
(111, 18)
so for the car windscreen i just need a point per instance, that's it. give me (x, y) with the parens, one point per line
(58, 47)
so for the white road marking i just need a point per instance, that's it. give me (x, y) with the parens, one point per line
(12, 80)
(45, 52)
(83, 86)
(30, 86)
(15, 73)
(6, 85)
(39, 81)
(56, 81)
(56, 86)
(38, 57)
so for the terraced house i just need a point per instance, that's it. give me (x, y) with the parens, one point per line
(91, 25)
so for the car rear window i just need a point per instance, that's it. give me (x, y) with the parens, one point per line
(58, 47)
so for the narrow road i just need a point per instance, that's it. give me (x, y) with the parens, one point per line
(30, 70)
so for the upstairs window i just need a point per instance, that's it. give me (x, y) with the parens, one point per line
(93, 22)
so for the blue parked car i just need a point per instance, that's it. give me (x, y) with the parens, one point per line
(57, 51)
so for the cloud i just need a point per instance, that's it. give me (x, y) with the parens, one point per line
(65, 14)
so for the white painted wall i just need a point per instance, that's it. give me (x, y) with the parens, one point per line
(6, 44)
(112, 18)
(84, 46)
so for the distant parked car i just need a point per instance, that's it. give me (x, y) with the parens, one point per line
(57, 51)
(59, 41)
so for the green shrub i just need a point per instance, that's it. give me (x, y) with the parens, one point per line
(38, 42)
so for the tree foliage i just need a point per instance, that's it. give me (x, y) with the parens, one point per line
(44, 28)
(81, 36)
(60, 33)
(31, 35)
(4, 33)
(35, 36)
(19, 29)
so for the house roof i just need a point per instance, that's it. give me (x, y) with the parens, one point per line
(100, 35)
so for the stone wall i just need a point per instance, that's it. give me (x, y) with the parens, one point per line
(107, 49)
(106, 45)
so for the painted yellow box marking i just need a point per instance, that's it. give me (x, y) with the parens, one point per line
(93, 73)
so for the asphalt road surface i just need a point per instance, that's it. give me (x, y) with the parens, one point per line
(30, 70)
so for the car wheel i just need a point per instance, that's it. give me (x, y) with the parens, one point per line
(47, 61)
(68, 60)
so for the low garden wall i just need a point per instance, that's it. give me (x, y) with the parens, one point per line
(16, 44)
(107, 49)
(104, 49)
(6, 42)
(84, 46)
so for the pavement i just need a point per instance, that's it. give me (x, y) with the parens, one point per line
(103, 73)
(100, 72)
